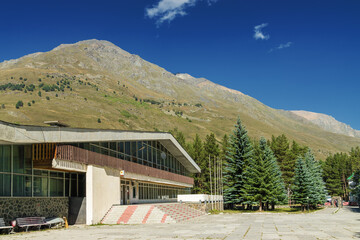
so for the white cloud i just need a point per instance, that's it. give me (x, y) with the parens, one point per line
(258, 32)
(168, 10)
(282, 46)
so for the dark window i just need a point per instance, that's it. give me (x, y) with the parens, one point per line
(5, 185)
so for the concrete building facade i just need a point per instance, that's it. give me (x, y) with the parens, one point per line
(88, 170)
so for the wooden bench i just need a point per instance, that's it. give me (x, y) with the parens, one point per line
(28, 222)
(4, 226)
(55, 222)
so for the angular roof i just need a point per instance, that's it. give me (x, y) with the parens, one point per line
(26, 134)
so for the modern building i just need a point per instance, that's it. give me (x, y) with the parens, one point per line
(80, 173)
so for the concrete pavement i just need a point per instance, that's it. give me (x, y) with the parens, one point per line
(324, 224)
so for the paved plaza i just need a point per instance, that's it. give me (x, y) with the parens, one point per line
(324, 224)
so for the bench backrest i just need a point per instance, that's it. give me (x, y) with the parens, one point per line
(30, 221)
(2, 222)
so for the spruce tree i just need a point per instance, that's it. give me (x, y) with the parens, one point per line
(302, 183)
(277, 186)
(239, 154)
(257, 177)
(317, 185)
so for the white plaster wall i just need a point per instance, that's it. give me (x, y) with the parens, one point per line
(105, 191)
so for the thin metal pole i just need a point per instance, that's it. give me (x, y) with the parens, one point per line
(222, 184)
(215, 192)
(210, 185)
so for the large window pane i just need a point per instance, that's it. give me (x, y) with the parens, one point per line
(56, 187)
(22, 186)
(22, 159)
(5, 185)
(40, 186)
(5, 158)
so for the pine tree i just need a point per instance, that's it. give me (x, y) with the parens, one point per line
(239, 154)
(281, 148)
(301, 183)
(197, 154)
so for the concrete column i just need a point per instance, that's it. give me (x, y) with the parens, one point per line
(89, 195)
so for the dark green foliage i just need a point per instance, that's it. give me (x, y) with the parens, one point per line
(337, 168)
(151, 101)
(99, 120)
(309, 188)
(39, 93)
(47, 98)
(19, 104)
(39, 79)
(198, 105)
(286, 156)
(30, 88)
(239, 154)
(301, 183)
(197, 153)
(317, 187)
(2, 106)
(263, 182)
(29, 104)
(12, 87)
(33, 101)
(56, 95)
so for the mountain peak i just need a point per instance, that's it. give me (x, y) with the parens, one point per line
(328, 123)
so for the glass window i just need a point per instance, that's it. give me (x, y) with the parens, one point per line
(121, 150)
(21, 186)
(40, 186)
(113, 148)
(5, 185)
(133, 151)
(56, 187)
(127, 151)
(5, 158)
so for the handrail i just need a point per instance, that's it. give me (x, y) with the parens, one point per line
(75, 154)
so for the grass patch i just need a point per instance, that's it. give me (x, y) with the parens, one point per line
(277, 210)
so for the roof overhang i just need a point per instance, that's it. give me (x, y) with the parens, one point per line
(26, 134)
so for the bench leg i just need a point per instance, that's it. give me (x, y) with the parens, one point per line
(27, 229)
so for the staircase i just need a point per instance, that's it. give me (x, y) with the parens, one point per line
(150, 213)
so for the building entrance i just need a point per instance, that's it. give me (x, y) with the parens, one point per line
(125, 192)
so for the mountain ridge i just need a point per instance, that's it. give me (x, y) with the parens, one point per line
(99, 80)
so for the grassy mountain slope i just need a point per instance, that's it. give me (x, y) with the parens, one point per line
(90, 80)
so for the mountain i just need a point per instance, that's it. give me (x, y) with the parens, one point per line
(328, 123)
(96, 84)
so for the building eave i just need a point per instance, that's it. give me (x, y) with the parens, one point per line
(28, 134)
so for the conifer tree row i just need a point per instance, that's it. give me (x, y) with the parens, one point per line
(309, 187)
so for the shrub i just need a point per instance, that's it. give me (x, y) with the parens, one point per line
(47, 98)
(39, 93)
(99, 120)
(29, 104)
(2, 106)
(198, 105)
(19, 104)
(33, 101)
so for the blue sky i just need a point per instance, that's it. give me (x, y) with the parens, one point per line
(304, 55)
